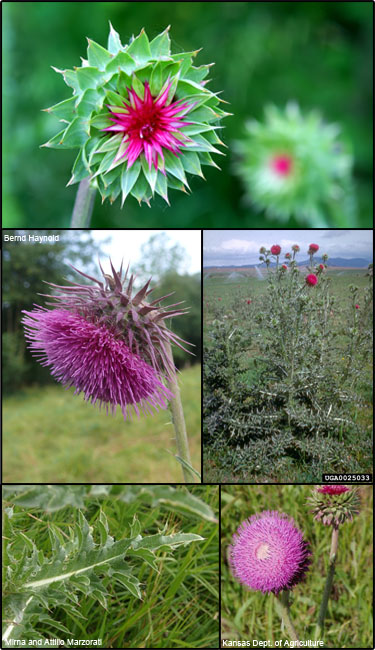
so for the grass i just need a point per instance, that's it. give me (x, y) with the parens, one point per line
(252, 615)
(51, 436)
(179, 606)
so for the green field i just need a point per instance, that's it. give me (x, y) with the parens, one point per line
(252, 615)
(51, 436)
(225, 300)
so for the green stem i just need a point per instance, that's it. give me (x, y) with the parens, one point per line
(83, 205)
(178, 420)
(329, 581)
(282, 606)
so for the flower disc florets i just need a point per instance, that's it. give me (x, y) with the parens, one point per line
(107, 342)
(269, 553)
(334, 504)
(140, 116)
(293, 165)
(311, 279)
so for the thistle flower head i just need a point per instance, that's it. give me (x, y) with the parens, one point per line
(357, 306)
(296, 248)
(311, 279)
(334, 504)
(262, 250)
(288, 256)
(294, 166)
(276, 249)
(107, 342)
(140, 117)
(321, 266)
(313, 248)
(268, 552)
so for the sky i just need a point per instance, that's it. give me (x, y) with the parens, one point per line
(126, 244)
(239, 247)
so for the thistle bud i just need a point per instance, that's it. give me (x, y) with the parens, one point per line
(334, 504)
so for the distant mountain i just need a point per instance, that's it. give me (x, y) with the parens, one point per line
(355, 263)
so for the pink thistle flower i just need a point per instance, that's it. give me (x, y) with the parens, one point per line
(269, 553)
(313, 248)
(287, 255)
(149, 125)
(357, 306)
(282, 165)
(321, 266)
(276, 249)
(332, 489)
(296, 248)
(93, 359)
(284, 267)
(219, 298)
(311, 279)
(248, 302)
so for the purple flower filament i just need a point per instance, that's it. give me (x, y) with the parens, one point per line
(269, 553)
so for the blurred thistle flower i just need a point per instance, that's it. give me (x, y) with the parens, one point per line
(311, 279)
(248, 302)
(268, 552)
(284, 267)
(334, 504)
(106, 342)
(322, 267)
(357, 306)
(313, 248)
(140, 116)
(296, 248)
(262, 250)
(294, 166)
(288, 256)
(324, 257)
(276, 249)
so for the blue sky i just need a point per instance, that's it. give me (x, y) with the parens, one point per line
(238, 247)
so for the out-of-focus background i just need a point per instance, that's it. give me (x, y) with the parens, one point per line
(51, 435)
(317, 53)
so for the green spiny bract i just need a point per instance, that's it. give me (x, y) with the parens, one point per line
(334, 509)
(137, 322)
(139, 92)
(294, 165)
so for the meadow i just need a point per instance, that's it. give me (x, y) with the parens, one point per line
(234, 306)
(250, 614)
(172, 599)
(53, 436)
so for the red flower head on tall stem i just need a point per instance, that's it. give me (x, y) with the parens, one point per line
(275, 249)
(311, 279)
(313, 248)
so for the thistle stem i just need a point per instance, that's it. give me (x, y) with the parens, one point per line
(328, 585)
(178, 420)
(83, 205)
(282, 606)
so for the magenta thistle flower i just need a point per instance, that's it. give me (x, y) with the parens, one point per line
(269, 553)
(284, 267)
(357, 306)
(311, 279)
(313, 248)
(281, 165)
(276, 249)
(321, 266)
(107, 342)
(149, 125)
(91, 358)
(332, 489)
(296, 248)
(288, 256)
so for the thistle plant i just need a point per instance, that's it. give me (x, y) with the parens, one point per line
(141, 118)
(114, 346)
(332, 505)
(269, 553)
(82, 562)
(295, 166)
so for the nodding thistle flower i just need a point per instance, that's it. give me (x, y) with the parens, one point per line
(334, 504)
(269, 553)
(140, 116)
(293, 165)
(106, 342)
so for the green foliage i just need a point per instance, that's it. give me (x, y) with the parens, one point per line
(49, 436)
(67, 573)
(317, 53)
(287, 401)
(252, 615)
(316, 186)
(16, 368)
